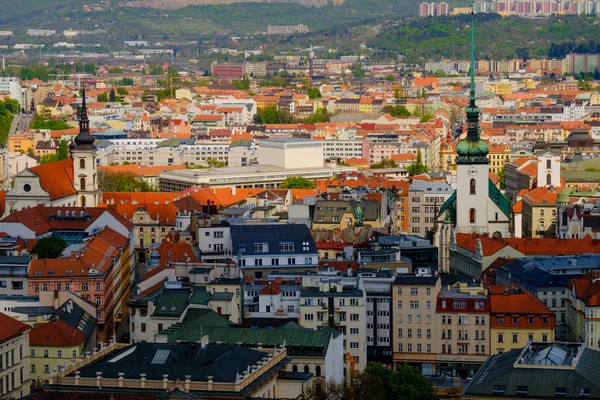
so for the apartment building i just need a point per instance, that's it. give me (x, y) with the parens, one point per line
(583, 310)
(424, 202)
(15, 381)
(286, 29)
(463, 330)
(345, 149)
(517, 318)
(101, 273)
(53, 345)
(539, 212)
(414, 321)
(339, 304)
(378, 288)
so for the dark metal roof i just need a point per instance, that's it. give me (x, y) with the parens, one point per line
(244, 237)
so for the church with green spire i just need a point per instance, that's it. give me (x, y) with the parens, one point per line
(477, 205)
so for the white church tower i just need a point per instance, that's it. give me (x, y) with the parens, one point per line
(472, 168)
(83, 153)
(548, 169)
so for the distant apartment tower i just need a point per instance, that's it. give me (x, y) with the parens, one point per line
(286, 29)
(576, 63)
(433, 9)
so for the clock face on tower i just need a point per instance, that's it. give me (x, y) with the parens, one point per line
(472, 171)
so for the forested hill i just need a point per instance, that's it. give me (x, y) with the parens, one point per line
(496, 37)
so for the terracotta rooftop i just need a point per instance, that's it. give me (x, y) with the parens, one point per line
(11, 328)
(55, 333)
(56, 178)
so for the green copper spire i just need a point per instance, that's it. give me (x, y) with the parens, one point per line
(472, 149)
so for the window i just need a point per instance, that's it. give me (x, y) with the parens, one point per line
(291, 261)
(472, 214)
(261, 248)
(36, 287)
(74, 353)
(500, 320)
(218, 234)
(584, 392)
(548, 179)
(498, 390)
(409, 333)
(428, 291)
(530, 320)
(428, 304)
(414, 304)
(309, 317)
(544, 321)
(521, 391)
(32, 367)
(160, 327)
(286, 247)
(500, 338)
(560, 391)
(414, 291)
(399, 290)
(82, 183)
(459, 304)
(428, 348)
(353, 302)
(46, 353)
(354, 331)
(399, 304)
(98, 300)
(82, 163)
(84, 287)
(548, 164)
(143, 327)
(400, 332)
(515, 338)
(409, 347)
(45, 287)
(472, 187)
(354, 345)
(354, 317)
(46, 368)
(545, 338)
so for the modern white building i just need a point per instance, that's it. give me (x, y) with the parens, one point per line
(13, 87)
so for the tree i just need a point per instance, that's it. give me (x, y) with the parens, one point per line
(296, 182)
(321, 115)
(172, 71)
(156, 69)
(52, 124)
(502, 175)
(49, 158)
(389, 78)
(314, 93)
(102, 97)
(384, 163)
(376, 382)
(426, 117)
(122, 182)
(357, 71)
(122, 91)
(112, 96)
(271, 115)
(397, 111)
(49, 247)
(584, 85)
(417, 167)
(12, 106)
(244, 84)
(63, 150)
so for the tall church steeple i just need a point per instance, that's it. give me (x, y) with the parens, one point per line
(472, 149)
(83, 153)
(84, 139)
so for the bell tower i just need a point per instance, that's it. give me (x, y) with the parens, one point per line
(83, 153)
(472, 166)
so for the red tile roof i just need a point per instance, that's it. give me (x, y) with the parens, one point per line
(587, 288)
(39, 219)
(11, 327)
(515, 301)
(526, 246)
(56, 178)
(55, 333)
(98, 254)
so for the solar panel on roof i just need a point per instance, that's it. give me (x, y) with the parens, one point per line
(160, 357)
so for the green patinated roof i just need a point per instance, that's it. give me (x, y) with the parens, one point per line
(171, 303)
(200, 322)
(199, 297)
(563, 196)
(204, 317)
(540, 381)
(448, 209)
(472, 149)
(297, 341)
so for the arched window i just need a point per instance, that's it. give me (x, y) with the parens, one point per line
(82, 183)
(82, 163)
(294, 368)
(82, 201)
(472, 216)
(548, 179)
(318, 370)
(549, 164)
(472, 186)
(306, 369)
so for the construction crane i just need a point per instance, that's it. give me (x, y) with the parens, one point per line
(351, 360)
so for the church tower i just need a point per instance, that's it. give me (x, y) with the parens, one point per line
(472, 167)
(83, 153)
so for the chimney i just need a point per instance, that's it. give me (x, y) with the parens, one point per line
(233, 191)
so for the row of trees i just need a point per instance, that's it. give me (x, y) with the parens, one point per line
(7, 112)
(376, 382)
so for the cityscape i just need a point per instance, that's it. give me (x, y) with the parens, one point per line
(292, 210)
